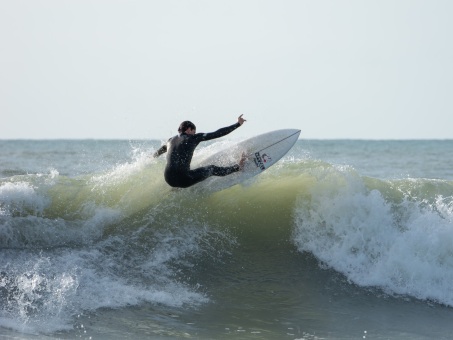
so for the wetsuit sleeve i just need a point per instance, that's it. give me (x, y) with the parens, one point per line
(160, 151)
(217, 134)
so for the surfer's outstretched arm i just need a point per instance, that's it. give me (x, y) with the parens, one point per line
(160, 151)
(221, 132)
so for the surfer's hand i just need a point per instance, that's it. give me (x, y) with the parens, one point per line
(241, 120)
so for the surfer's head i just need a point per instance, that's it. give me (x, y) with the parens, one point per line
(186, 125)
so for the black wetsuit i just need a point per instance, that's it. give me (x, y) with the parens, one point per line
(180, 151)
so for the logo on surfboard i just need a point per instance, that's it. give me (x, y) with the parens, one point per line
(262, 160)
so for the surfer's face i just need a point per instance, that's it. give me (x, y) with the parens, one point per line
(190, 131)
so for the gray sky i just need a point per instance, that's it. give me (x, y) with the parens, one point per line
(380, 69)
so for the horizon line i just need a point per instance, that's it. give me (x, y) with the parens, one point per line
(159, 139)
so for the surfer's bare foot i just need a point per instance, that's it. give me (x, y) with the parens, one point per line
(242, 161)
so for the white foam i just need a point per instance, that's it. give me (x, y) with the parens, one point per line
(47, 288)
(21, 198)
(404, 247)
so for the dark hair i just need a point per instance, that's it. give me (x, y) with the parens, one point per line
(186, 125)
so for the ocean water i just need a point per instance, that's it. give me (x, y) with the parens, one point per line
(339, 240)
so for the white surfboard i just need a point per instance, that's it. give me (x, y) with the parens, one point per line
(262, 152)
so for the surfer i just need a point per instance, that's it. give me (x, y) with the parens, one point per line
(180, 150)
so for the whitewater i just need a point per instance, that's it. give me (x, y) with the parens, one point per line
(341, 239)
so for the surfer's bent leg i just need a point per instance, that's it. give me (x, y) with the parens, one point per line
(187, 179)
(200, 174)
(223, 171)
